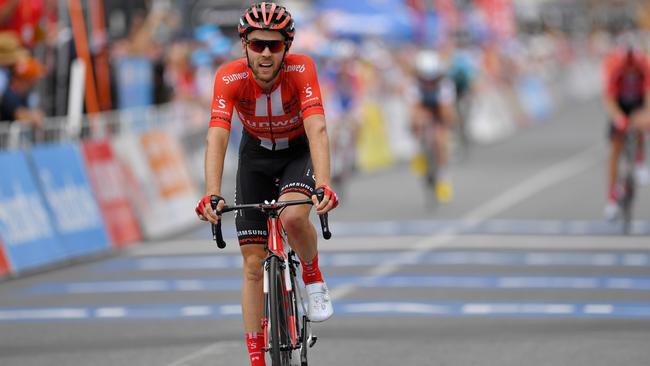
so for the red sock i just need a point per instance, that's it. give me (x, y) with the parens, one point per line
(255, 342)
(311, 272)
(612, 194)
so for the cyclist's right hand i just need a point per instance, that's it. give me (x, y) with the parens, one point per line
(204, 210)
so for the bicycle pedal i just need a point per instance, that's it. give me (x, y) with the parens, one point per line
(312, 341)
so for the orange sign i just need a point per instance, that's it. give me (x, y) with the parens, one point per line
(166, 162)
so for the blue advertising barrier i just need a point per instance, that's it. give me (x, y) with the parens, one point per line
(29, 237)
(68, 194)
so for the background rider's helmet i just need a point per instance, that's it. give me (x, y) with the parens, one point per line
(267, 16)
(429, 65)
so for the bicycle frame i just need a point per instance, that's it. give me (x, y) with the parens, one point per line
(626, 179)
(275, 247)
(281, 295)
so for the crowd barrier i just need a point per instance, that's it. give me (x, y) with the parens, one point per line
(136, 174)
(64, 199)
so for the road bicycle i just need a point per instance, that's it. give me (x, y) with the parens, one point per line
(626, 183)
(425, 163)
(285, 324)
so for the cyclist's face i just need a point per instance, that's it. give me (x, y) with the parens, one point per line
(265, 52)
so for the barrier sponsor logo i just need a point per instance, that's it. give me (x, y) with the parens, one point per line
(166, 162)
(108, 181)
(67, 191)
(28, 236)
(159, 182)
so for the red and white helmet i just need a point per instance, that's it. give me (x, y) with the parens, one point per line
(267, 16)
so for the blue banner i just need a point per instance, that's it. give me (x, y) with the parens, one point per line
(535, 98)
(134, 82)
(25, 227)
(389, 19)
(75, 213)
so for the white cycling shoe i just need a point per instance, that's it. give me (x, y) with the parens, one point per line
(611, 210)
(320, 303)
(642, 174)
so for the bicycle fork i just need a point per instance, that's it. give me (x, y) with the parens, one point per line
(289, 306)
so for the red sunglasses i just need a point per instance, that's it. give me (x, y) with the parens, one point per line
(259, 45)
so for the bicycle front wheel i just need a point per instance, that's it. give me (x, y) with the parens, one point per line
(279, 331)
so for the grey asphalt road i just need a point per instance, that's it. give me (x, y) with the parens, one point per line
(518, 269)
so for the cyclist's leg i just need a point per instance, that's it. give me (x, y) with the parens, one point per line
(641, 169)
(616, 143)
(444, 188)
(252, 186)
(297, 182)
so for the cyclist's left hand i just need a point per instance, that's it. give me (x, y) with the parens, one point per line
(329, 202)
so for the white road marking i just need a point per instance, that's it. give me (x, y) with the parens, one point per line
(207, 353)
(114, 312)
(524, 190)
(196, 311)
(67, 313)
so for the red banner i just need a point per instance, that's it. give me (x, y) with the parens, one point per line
(500, 16)
(107, 179)
(448, 13)
(4, 262)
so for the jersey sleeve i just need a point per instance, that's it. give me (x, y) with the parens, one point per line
(222, 100)
(609, 87)
(309, 94)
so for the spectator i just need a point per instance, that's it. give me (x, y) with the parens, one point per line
(16, 102)
(23, 17)
(10, 53)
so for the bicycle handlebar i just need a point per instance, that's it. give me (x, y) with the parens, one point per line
(268, 208)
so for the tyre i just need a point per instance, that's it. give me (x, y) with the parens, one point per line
(626, 204)
(279, 334)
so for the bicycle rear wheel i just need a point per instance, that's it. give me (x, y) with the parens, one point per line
(279, 332)
(626, 204)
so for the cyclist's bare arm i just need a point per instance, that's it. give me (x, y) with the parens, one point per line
(316, 131)
(215, 154)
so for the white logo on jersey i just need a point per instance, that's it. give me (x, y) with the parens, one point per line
(295, 68)
(234, 77)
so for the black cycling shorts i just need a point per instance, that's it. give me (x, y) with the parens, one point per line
(628, 107)
(262, 175)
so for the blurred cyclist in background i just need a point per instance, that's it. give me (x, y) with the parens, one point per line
(432, 117)
(463, 70)
(626, 96)
(284, 154)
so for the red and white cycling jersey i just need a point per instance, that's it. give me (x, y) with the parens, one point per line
(624, 80)
(274, 118)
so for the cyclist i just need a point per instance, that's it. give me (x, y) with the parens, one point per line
(434, 114)
(627, 89)
(284, 155)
